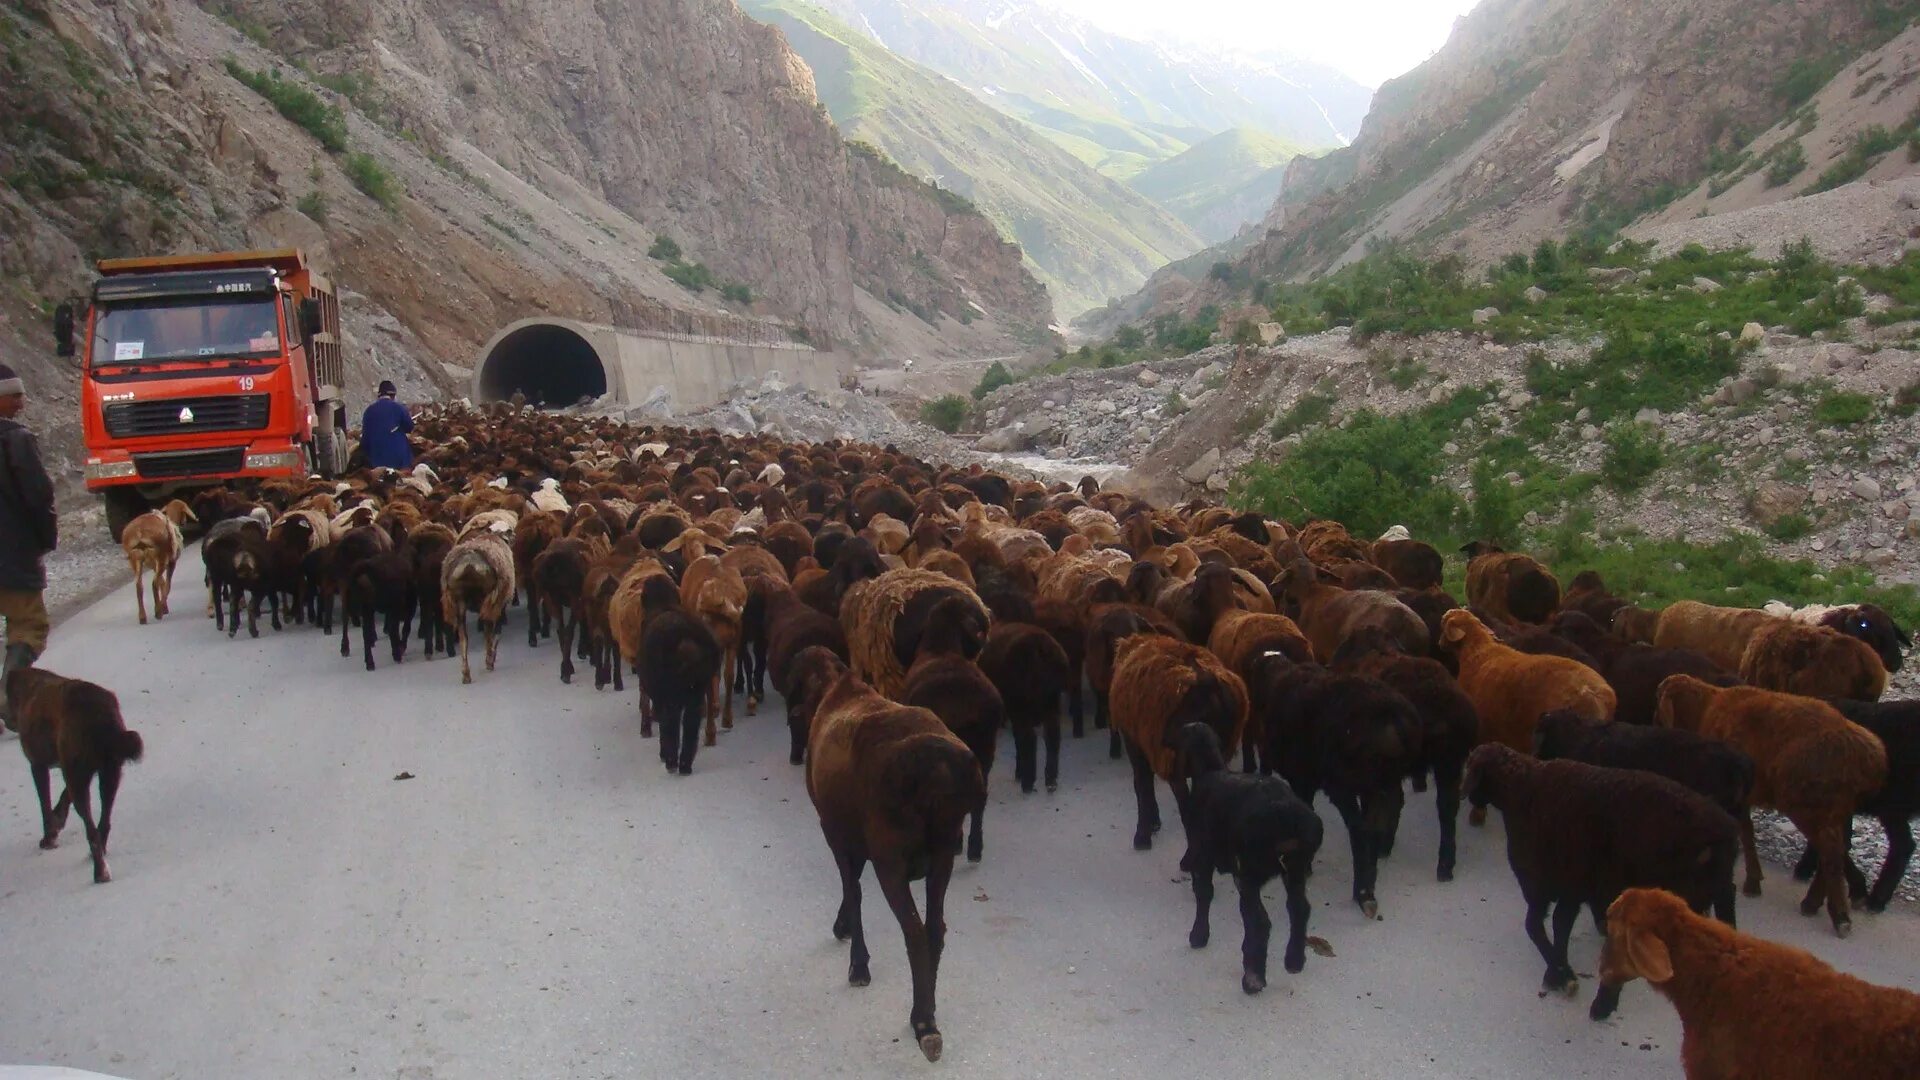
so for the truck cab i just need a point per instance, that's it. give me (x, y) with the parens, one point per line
(200, 370)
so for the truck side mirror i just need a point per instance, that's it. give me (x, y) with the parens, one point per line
(310, 324)
(63, 329)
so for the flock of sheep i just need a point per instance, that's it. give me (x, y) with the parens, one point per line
(907, 612)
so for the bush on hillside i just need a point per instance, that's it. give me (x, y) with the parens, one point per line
(947, 413)
(995, 377)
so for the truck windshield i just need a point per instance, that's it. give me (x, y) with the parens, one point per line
(186, 328)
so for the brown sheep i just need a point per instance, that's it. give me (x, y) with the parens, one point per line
(1750, 1007)
(884, 618)
(1722, 633)
(1413, 564)
(1237, 639)
(945, 681)
(153, 542)
(627, 619)
(1813, 661)
(1511, 690)
(892, 786)
(717, 596)
(478, 576)
(1509, 586)
(1328, 615)
(1160, 685)
(1811, 764)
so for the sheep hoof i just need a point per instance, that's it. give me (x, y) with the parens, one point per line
(1026, 787)
(686, 770)
(143, 620)
(1843, 928)
(1370, 908)
(1054, 785)
(1199, 936)
(1877, 907)
(1750, 888)
(1445, 873)
(1252, 983)
(102, 875)
(859, 978)
(48, 843)
(1143, 841)
(1811, 905)
(1477, 816)
(930, 1045)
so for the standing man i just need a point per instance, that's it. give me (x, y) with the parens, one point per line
(28, 530)
(383, 431)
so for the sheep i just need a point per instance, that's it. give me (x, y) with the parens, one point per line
(1814, 661)
(1751, 1007)
(1897, 725)
(1721, 633)
(153, 542)
(678, 664)
(1513, 587)
(531, 535)
(382, 585)
(1030, 669)
(77, 726)
(884, 618)
(892, 786)
(1868, 622)
(1587, 594)
(1710, 767)
(430, 544)
(1411, 563)
(793, 628)
(1240, 636)
(1256, 829)
(1579, 834)
(1449, 725)
(560, 578)
(1160, 685)
(236, 561)
(1511, 690)
(1811, 763)
(946, 682)
(1350, 735)
(1195, 605)
(1636, 625)
(1328, 614)
(626, 613)
(1635, 670)
(717, 595)
(477, 576)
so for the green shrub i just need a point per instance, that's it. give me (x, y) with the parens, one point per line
(1249, 422)
(1843, 408)
(1786, 164)
(314, 205)
(947, 413)
(1833, 305)
(1790, 528)
(737, 293)
(372, 178)
(1129, 337)
(995, 377)
(296, 103)
(664, 249)
(1632, 454)
(1311, 409)
(693, 276)
(1495, 513)
(1868, 146)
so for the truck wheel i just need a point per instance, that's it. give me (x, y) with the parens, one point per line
(324, 455)
(123, 505)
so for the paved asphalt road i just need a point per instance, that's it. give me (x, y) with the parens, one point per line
(542, 901)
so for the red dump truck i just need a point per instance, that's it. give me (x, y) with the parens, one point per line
(203, 369)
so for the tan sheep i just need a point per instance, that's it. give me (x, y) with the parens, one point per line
(153, 542)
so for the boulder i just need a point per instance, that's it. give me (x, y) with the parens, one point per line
(1534, 294)
(1485, 315)
(1105, 407)
(1774, 500)
(1741, 391)
(1217, 482)
(1148, 377)
(1706, 285)
(1866, 488)
(1006, 440)
(1647, 416)
(1612, 275)
(1272, 333)
(1208, 464)
(1753, 334)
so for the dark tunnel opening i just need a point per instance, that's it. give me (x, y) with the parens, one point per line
(551, 365)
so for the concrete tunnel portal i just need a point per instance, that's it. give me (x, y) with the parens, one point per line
(550, 362)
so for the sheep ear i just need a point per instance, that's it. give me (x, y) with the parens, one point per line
(1649, 955)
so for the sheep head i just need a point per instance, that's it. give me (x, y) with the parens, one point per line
(1637, 926)
(1683, 700)
(1459, 627)
(178, 512)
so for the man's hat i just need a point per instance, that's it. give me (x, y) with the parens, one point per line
(10, 383)
(387, 388)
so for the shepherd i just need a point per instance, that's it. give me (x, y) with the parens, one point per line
(383, 431)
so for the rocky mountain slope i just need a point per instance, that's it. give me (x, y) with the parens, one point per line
(1085, 236)
(1220, 184)
(489, 162)
(1544, 117)
(1117, 103)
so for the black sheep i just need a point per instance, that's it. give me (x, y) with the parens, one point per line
(1355, 737)
(1031, 670)
(1633, 669)
(1581, 834)
(678, 661)
(1897, 724)
(793, 627)
(380, 586)
(1712, 768)
(1256, 829)
(945, 681)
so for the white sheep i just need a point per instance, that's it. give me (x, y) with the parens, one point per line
(548, 497)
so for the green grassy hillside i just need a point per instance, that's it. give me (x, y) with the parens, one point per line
(1086, 236)
(1221, 183)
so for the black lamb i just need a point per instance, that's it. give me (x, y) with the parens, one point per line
(1897, 724)
(1721, 772)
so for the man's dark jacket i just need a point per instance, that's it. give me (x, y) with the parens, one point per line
(28, 527)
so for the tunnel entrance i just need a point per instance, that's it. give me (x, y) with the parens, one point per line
(549, 363)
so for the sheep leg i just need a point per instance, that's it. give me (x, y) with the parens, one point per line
(233, 614)
(368, 636)
(253, 614)
(1856, 881)
(1076, 698)
(163, 593)
(1446, 784)
(1751, 886)
(273, 608)
(1831, 840)
(732, 661)
(1294, 868)
(535, 610)
(1023, 754)
(847, 923)
(492, 631)
(217, 605)
(646, 708)
(566, 646)
(399, 626)
(710, 707)
(1182, 798)
(1259, 931)
(1565, 914)
(797, 729)
(81, 785)
(466, 670)
(1365, 855)
(139, 595)
(1536, 923)
(346, 649)
(49, 827)
(893, 885)
(1249, 759)
(1202, 931)
(690, 727)
(1148, 819)
(1050, 731)
(109, 790)
(1899, 853)
(669, 734)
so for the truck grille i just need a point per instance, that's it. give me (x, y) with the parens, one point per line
(187, 416)
(172, 463)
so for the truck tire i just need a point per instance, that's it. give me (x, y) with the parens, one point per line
(123, 505)
(325, 457)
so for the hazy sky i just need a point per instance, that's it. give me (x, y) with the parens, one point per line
(1371, 40)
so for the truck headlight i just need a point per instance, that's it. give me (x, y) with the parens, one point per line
(279, 459)
(108, 470)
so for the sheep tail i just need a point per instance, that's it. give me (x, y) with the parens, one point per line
(129, 746)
